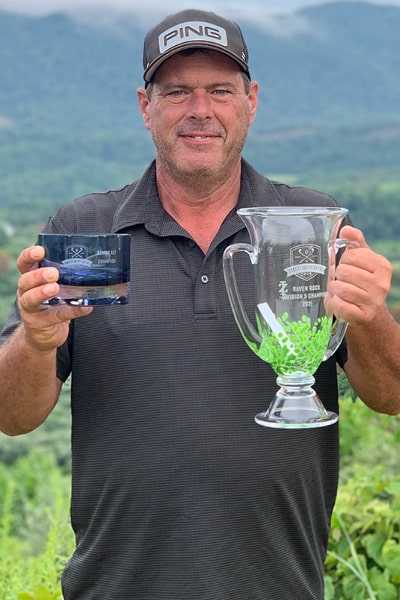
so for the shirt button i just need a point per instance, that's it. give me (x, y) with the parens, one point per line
(204, 279)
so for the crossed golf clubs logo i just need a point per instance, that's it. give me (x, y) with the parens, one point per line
(77, 252)
(303, 255)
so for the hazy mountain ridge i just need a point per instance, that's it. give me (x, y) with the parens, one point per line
(57, 71)
(69, 122)
(346, 69)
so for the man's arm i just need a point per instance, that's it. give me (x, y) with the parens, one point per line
(29, 387)
(373, 365)
(358, 295)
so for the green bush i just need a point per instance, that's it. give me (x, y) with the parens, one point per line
(35, 534)
(363, 559)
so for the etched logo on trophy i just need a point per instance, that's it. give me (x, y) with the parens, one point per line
(77, 251)
(305, 262)
(77, 255)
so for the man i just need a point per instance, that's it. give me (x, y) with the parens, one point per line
(177, 493)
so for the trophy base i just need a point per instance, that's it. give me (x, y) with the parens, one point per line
(295, 419)
(296, 406)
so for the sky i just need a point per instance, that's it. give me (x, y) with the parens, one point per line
(236, 8)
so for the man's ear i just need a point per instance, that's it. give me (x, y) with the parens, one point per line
(144, 105)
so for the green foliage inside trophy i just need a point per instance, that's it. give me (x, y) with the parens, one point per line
(299, 348)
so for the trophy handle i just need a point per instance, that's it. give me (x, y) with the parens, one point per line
(338, 331)
(339, 326)
(246, 328)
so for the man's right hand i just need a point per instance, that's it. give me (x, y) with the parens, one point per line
(45, 327)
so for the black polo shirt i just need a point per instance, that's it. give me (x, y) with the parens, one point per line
(177, 493)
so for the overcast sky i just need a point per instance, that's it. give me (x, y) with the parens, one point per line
(233, 7)
(260, 13)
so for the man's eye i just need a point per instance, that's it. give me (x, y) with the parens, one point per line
(176, 93)
(220, 92)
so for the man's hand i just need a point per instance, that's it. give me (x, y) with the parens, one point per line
(362, 281)
(46, 327)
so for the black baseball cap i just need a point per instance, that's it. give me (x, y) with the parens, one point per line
(193, 28)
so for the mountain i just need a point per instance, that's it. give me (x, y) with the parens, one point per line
(343, 68)
(333, 62)
(329, 99)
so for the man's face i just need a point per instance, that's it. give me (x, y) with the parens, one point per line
(199, 113)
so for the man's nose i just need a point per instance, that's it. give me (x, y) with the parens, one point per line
(200, 105)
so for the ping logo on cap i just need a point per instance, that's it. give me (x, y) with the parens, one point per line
(191, 31)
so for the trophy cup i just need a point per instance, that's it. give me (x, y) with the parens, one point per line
(93, 269)
(293, 252)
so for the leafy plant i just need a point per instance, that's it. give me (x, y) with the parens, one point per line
(42, 593)
(363, 561)
(35, 535)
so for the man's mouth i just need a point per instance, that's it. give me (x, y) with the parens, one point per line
(198, 136)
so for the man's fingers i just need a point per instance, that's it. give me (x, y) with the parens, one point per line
(29, 258)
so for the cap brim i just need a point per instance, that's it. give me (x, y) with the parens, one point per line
(152, 68)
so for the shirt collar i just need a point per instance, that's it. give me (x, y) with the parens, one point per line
(141, 205)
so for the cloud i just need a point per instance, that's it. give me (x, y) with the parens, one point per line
(43, 7)
(278, 17)
(277, 23)
(272, 17)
